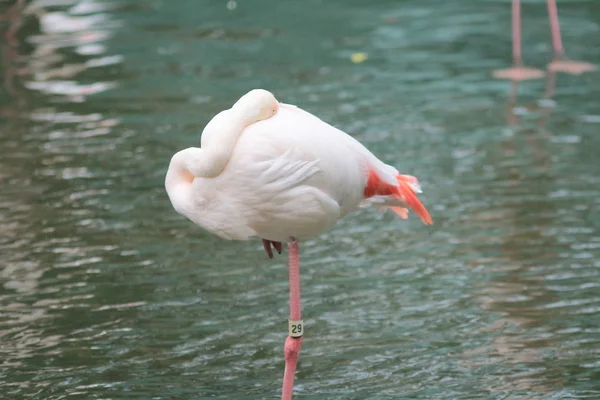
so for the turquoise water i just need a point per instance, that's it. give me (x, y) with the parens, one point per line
(106, 293)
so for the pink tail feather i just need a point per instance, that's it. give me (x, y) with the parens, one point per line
(406, 191)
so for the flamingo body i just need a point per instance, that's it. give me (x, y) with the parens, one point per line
(289, 176)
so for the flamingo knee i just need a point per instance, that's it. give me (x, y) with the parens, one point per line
(292, 348)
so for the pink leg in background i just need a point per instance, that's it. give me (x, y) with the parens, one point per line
(518, 72)
(294, 341)
(560, 62)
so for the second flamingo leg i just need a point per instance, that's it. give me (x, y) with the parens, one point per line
(293, 343)
(560, 61)
(518, 72)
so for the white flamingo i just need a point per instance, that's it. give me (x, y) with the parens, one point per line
(273, 171)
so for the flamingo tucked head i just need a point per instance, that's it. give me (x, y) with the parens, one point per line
(256, 105)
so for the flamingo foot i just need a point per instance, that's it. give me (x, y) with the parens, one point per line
(267, 246)
(571, 67)
(291, 352)
(518, 73)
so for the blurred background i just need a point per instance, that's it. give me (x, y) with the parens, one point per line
(107, 293)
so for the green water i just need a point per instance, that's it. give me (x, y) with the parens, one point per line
(106, 293)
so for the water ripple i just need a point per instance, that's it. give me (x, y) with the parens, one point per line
(106, 293)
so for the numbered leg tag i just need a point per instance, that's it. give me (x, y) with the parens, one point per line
(296, 328)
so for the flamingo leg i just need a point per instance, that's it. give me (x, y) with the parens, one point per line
(294, 341)
(516, 32)
(561, 62)
(518, 72)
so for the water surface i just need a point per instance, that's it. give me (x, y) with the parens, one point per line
(106, 293)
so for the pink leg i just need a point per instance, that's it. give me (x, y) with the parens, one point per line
(517, 72)
(294, 342)
(555, 28)
(516, 32)
(560, 61)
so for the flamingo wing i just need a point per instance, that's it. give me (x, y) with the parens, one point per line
(280, 198)
(263, 195)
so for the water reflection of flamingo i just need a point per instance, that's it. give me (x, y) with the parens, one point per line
(10, 43)
(543, 107)
(560, 61)
(274, 171)
(515, 289)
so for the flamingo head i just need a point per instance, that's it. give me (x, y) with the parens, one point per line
(256, 105)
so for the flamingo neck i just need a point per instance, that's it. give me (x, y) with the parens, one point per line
(178, 183)
(218, 141)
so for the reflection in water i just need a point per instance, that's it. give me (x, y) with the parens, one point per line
(528, 242)
(542, 107)
(49, 198)
(38, 66)
(75, 30)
